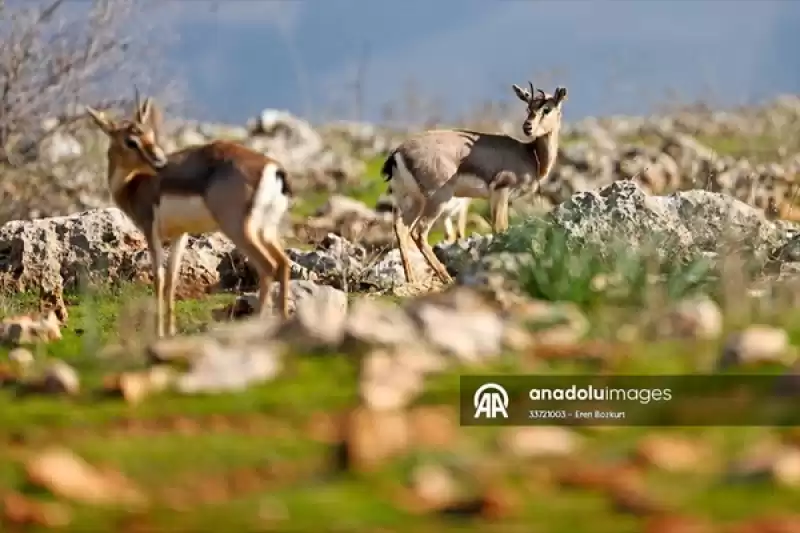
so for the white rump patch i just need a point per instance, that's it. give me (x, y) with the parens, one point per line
(184, 214)
(269, 203)
(403, 183)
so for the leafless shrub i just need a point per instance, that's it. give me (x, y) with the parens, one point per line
(57, 57)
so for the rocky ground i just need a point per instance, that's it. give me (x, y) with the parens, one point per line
(346, 418)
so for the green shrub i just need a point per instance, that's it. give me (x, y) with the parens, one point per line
(561, 269)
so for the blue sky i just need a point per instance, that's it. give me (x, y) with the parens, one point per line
(615, 56)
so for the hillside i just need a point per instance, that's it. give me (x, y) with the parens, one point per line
(656, 265)
(327, 419)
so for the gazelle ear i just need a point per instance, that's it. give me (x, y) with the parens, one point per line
(522, 94)
(561, 94)
(103, 122)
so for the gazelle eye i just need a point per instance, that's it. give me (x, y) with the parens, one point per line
(130, 143)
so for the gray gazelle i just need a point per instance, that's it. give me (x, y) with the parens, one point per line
(218, 186)
(431, 171)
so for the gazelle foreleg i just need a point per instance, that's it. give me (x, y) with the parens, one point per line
(156, 250)
(176, 250)
(498, 206)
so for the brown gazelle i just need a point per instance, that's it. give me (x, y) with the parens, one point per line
(218, 186)
(429, 171)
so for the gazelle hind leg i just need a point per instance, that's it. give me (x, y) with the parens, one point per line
(401, 232)
(176, 250)
(431, 211)
(243, 230)
(265, 292)
(420, 236)
(270, 203)
(283, 270)
(267, 275)
(409, 203)
(249, 243)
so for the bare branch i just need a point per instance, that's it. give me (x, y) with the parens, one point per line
(56, 57)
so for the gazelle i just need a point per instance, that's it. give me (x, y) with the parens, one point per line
(218, 186)
(429, 171)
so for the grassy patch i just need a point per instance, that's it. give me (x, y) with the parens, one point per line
(371, 186)
(367, 189)
(193, 455)
(184, 447)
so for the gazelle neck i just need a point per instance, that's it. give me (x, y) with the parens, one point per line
(545, 151)
(119, 178)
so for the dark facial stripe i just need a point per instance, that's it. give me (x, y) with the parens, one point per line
(139, 148)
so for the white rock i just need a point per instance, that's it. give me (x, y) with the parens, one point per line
(756, 344)
(22, 357)
(59, 377)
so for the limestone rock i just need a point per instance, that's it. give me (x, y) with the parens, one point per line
(99, 246)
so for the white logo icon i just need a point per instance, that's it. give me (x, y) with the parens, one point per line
(490, 400)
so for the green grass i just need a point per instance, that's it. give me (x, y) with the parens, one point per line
(268, 431)
(368, 188)
(189, 445)
(555, 268)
